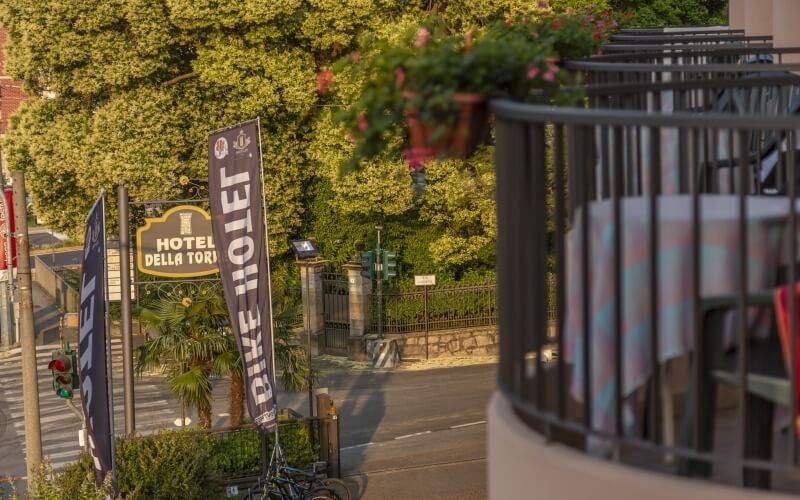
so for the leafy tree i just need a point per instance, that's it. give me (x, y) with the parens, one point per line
(674, 12)
(129, 89)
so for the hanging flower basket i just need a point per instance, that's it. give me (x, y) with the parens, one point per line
(468, 130)
(433, 86)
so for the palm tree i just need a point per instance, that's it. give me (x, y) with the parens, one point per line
(191, 344)
(194, 343)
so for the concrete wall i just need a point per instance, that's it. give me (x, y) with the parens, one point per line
(522, 465)
(477, 341)
(65, 297)
(785, 15)
(736, 14)
(758, 17)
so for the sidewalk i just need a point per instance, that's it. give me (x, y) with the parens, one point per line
(334, 363)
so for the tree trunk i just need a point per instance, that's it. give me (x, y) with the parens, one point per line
(237, 400)
(204, 413)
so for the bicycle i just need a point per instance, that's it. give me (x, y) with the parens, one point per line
(283, 482)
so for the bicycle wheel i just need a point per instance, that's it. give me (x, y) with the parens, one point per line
(337, 487)
(321, 493)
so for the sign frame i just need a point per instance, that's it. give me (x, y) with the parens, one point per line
(163, 218)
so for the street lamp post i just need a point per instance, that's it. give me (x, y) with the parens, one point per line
(379, 278)
(305, 249)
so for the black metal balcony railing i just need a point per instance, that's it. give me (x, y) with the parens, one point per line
(663, 247)
(631, 42)
(700, 54)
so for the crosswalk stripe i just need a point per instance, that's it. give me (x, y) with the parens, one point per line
(63, 454)
(63, 444)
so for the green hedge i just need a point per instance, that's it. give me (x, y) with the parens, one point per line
(175, 464)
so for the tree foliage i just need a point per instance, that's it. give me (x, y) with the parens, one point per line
(129, 89)
(674, 12)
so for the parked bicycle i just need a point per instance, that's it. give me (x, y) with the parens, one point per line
(288, 483)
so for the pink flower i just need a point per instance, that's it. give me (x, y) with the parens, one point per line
(363, 124)
(355, 56)
(597, 35)
(325, 81)
(588, 19)
(551, 74)
(557, 24)
(601, 25)
(399, 76)
(543, 4)
(533, 72)
(422, 37)
(417, 157)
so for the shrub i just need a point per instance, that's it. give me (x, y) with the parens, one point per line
(239, 453)
(75, 482)
(173, 464)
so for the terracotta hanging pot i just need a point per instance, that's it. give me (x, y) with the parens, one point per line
(468, 130)
(472, 126)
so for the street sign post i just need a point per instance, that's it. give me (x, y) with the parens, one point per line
(425, 281)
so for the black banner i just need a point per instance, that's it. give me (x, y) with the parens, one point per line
(92, 343)
(238, 226)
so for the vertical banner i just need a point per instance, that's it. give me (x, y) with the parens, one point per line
(92, 342)
(239, 229)
(7, 224)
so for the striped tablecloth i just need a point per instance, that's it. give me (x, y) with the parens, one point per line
(767, 250)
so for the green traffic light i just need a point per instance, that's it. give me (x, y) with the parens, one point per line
(64, 369)
(389, 264)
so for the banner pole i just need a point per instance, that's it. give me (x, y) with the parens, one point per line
(269, 272)
(107, 340)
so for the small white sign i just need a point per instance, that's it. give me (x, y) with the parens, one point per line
(233, 490)
(424, 279)
(114, 278)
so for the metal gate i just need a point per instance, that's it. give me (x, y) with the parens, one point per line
(336, 312)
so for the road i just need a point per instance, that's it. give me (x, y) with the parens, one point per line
(411, 434)
(398, 428)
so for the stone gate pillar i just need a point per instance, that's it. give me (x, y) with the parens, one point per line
(360, 295)
(313, 295)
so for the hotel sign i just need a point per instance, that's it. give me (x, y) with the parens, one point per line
(178, 244)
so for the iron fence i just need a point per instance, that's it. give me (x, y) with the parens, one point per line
(449, 307)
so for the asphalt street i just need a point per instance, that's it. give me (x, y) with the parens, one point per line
(398, 427)
(404, 434)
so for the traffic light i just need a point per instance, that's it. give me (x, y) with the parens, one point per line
(389, 264)
(64, 367)
(368, 264)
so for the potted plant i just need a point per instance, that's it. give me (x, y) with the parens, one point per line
(433, 87)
